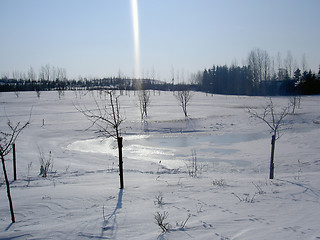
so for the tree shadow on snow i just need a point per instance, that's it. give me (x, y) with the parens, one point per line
(110, 224)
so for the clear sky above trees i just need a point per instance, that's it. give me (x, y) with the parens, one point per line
(177, 37)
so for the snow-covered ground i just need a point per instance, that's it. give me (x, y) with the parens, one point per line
(231, 198)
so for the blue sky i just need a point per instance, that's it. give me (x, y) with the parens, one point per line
(94, 38)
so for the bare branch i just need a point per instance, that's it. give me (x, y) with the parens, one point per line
(9, 137)
(105, 117)
(272, 118)
(263, 117)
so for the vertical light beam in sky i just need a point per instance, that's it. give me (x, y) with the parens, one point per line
(135, 22)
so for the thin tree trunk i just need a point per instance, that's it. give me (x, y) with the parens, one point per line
(119, 139)
(14, 162)
(8, 189)
(273, 145)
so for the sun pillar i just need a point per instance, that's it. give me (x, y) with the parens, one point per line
(135, 22)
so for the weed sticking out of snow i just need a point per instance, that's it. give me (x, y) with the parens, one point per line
(219, 182)
(259, 189)
(159, 199)
(245, 198)
(46, 163)
(161, 221)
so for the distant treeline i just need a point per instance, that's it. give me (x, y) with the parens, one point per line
(263, 75)
(236, 80)
(10, 85)
(260, 76)
(232, 80)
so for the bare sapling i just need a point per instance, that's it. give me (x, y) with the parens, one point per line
(8, 136)
(193, 167)
(295, 101)
(106, 118)
(184, 98)
(144, 102)
(46, 163)
(275, 121)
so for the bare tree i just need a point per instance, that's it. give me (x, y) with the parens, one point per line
(59, 75)
(16, 75)
(184, 98)
(196, 78)
(144, 102)
(41, 75)
(274, 120)
(31, 74)
(279, 61)
(7, 138)
(47, 72)
(295, 102)
(260, 65)
(266, 66)
(107, 119)
(304, 63)
(289, 63)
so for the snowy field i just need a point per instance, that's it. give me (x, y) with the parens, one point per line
(231, 198)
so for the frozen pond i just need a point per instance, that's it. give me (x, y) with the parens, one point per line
(172, 150)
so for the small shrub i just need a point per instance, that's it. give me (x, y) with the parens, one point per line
(159, 200)
(161, 221)
(46, 163)
(219, 183)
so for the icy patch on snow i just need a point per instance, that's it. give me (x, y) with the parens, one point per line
(163, 156)
(93, 146)
(100, 145)
(132, 149)
(173, 151)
